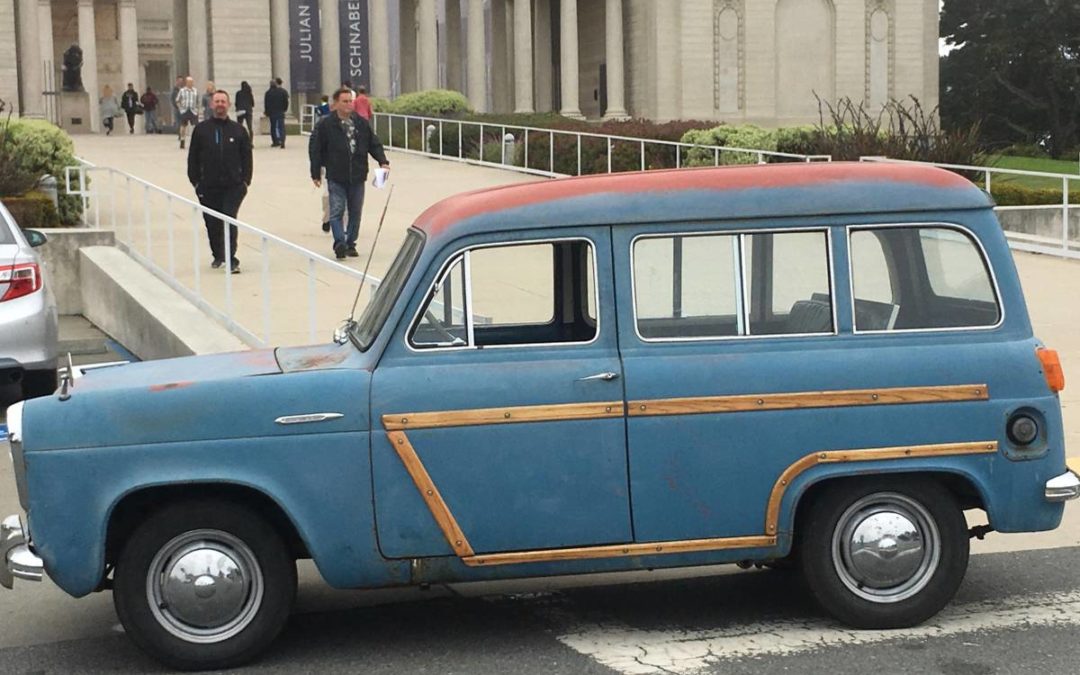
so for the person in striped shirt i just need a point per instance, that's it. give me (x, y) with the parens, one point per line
(187, 102)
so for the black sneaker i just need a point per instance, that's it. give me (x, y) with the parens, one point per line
(326, 226)
(236, 267)
(351, 252)
(181, 144)
(217, 264)
(339, 251)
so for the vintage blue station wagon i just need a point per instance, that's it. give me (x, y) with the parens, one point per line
(821, 365)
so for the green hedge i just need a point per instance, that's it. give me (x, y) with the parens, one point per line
(43, 148)
(1018, 195)
(33, 210)
(431, 103)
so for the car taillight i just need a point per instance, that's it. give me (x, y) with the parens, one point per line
(21, 279)
(1055, 376)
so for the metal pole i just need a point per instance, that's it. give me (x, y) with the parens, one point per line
(609, 154)
(526, 148)
(440, 152)
(460, 138)
(579, 154)
(643, 155)
(481, 158)
(1064, 215)
(266, 289)
(551, 153)
(986, 178)
(311, 299)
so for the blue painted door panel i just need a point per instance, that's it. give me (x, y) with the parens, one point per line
(510, 486)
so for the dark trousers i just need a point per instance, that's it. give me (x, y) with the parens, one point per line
(108, 122)
(277, 129)
(131, 121)
(245, 120)
(223, 200)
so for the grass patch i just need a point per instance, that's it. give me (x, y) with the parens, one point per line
(1043, 164)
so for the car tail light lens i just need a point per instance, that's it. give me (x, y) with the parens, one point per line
(1051, 364)
(21, 280)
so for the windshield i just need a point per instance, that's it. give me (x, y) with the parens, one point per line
(371, 321)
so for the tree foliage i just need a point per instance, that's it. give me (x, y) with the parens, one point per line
(1014, 69)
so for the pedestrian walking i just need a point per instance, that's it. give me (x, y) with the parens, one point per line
(275, 105)
(149, 103)
(177, 86)
(207, 97)
(109, 108)
(362, 104)
(340, 144)
(129, 102)
(187, 100)
(245, 106)
(219, 168)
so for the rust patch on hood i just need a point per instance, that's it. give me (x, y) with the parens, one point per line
(170, 385)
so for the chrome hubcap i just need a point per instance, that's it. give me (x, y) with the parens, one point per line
(886, 547)
(204, 586)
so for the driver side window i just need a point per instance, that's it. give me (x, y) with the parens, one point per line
(513, 294)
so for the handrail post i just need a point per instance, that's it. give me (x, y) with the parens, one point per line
(460, 139)
(609, 154)
(551, 154)
(642, 155)
(1064, 215)
(579, 153)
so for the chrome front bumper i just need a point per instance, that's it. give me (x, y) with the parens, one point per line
(18, 561)
(1066, 486)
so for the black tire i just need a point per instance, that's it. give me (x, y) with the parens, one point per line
(860, 587)
(37, 383)
(158, 628)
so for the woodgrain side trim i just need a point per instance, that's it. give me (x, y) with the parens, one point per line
(619, 550)
(810, 399)
(446, 521)
(772, 513)
(511, 415)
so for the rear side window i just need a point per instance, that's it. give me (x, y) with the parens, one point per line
(731, 285)
(919, 278)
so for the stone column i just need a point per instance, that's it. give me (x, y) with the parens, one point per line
(48, 51)
(429, 46)
(279, 41)
(543, 44)
(568, 56)
(379, 39)
(9, 55)
(88, 43)
(454, 76)
(477, 71)
(30, 59)
(129, 44)
(616, 72)
(198, 43)
(180, 42)
(523, 57)
(331, 46)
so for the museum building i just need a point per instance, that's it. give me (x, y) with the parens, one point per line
(760, 61)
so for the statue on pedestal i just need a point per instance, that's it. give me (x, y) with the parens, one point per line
(73, 61)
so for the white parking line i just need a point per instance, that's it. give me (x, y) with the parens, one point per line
(639, 652)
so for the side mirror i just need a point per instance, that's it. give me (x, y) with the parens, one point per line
(35, 238)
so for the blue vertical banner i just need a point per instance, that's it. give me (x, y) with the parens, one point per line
(305, 46)
(353, 19)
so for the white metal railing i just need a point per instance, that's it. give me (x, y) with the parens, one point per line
(308, 118)
(432, 131)
(1065, 242)
(141, 214)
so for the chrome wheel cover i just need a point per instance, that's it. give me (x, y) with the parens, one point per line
(886, 547)
(204, 586)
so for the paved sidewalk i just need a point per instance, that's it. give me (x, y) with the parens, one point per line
(281, 201)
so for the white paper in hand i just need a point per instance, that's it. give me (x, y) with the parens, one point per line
(381, 175)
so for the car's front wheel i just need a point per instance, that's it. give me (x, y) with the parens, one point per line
(884, 553)
(204, 585)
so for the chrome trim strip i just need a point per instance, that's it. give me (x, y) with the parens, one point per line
(947, 226)
(308, 418)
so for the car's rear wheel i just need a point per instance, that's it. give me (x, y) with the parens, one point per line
(204, 585)
(884, 553)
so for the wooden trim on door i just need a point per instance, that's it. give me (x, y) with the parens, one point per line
(434, 500)
(510, 415)
(697, 405)
(772, 512)
(619, 550)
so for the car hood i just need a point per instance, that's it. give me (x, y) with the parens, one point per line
(203, 399)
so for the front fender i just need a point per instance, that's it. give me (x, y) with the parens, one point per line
(322, 483)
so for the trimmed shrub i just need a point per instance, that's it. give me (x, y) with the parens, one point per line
(33, 210)
(42, 148)
(379, 104)
(742, 136)
(1005, 194)
(432, 103)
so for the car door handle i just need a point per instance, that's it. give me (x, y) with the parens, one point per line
(607, 377)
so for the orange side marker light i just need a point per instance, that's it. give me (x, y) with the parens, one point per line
(1051, 364)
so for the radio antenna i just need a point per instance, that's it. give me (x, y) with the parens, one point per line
(371, 254)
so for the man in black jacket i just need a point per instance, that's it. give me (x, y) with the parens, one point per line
(219, 168)
(275, 104)
(341, 143)
(129, 101)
